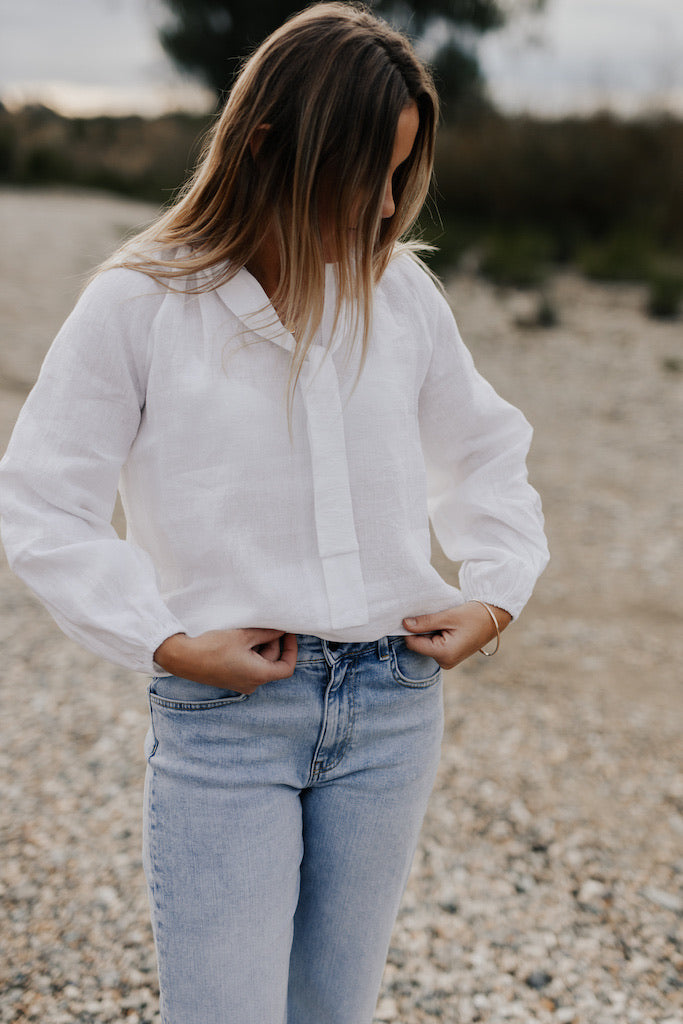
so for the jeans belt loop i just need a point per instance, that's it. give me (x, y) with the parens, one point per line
(383, 648)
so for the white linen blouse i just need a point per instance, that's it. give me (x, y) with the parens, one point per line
(237, 518)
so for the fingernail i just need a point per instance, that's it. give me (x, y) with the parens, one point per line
(410, 622)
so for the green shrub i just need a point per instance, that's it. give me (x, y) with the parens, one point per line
(450, 239)
(665, 295)
(546, 312)
(8, 149)
(44, 165)
(579, 178)
(622, 256)
(519, 258)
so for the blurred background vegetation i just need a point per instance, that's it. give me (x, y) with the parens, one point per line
(519, 194)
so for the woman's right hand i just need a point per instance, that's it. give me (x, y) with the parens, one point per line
(232, 659)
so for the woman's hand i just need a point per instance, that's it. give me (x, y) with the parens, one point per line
(454, 635)
(232, 659)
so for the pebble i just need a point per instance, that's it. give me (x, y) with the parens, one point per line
(538, 979)
(668, 900)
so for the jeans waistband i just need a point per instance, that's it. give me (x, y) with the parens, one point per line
(313, 648)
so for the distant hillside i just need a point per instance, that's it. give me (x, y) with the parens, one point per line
(525, 193)
(129, 155)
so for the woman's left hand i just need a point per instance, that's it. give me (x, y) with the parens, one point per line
(452, 636)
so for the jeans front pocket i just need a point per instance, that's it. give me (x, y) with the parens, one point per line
(416, 671)
(179, 694)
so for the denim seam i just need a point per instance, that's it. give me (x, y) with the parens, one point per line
(151, 723)
(313, 771)
(355, 656)
(154, 883)
(411, 684)
(343, 745)
(204, 705)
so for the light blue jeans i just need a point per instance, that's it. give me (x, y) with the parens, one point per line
(279, 832)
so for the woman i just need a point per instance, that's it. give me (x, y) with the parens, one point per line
(282, 388)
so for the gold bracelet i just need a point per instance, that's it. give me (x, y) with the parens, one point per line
(489, 654)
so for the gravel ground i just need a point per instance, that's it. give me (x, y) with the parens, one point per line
(548, 885)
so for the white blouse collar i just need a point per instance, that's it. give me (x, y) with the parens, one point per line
(245, 297)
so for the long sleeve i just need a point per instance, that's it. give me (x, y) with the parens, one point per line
(58, 479)
(485, 513)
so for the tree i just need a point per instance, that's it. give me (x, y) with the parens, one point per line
(209, 37)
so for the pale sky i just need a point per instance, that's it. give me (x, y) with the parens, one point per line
(90, 56)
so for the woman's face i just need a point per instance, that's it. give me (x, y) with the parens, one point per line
(406, 132)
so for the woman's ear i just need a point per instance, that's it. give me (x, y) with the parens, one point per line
(256, 141)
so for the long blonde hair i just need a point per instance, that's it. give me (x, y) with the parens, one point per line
(329, 85)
